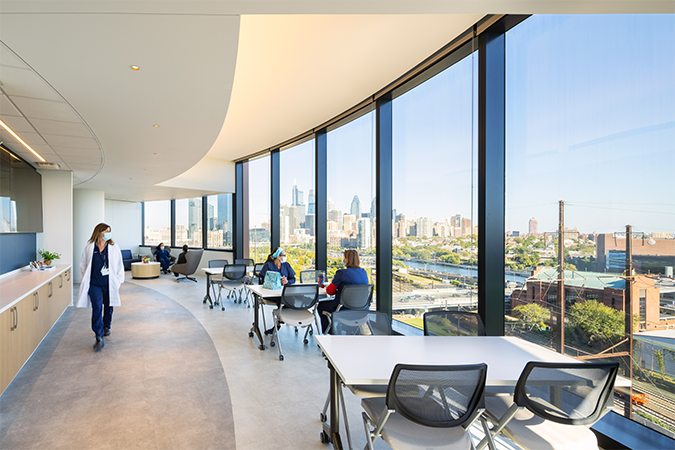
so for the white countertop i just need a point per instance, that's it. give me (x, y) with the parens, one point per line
(16, 287)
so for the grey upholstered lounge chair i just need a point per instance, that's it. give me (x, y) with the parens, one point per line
(193, 257)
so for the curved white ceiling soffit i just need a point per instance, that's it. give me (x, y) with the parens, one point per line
(45, 120)
(186, 70)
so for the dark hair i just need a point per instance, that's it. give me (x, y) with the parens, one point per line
(185, 248)
(270, 258)
(98, 229)
(352, 258)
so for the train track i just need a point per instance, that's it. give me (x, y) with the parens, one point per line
(658, 406)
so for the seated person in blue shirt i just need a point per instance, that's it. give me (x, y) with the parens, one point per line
(276, 262)
(353, 274)
(162, 257)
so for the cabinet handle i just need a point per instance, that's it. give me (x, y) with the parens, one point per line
(51, 290)
(16, 318)
(38, 301)
(35, 294)
(61, 279)
(11, 326)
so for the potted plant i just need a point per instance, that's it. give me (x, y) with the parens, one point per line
(48, 257)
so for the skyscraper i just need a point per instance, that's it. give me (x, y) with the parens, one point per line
(425, 227)
(355, 209)
(310, 202)
(533, 226)
(330, 204)
(194, 217)
(363, 239)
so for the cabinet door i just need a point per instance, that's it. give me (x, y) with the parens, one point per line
(7, 362)
(27, 328)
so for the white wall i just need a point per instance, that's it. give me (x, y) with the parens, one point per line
(125, 222)
(57, 214)
(88, 211)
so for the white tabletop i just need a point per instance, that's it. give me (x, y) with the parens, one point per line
(267, 293)
(219, 270)
(371, 359)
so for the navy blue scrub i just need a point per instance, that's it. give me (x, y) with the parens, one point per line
(343, 277)
(99, 292)
(163, 258)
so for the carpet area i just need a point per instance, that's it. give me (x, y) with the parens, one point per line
(157, 384)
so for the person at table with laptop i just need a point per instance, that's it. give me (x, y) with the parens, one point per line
(351, 274)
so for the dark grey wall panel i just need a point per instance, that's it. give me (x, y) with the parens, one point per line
(16, 250)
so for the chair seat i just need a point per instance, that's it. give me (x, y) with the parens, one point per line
(368, 390)
(533, 432)
(230, 284)
(297, 317)
(400, 432)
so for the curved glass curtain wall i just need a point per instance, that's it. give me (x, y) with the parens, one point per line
(157, 221)
(434, 245)
(297, 215)
(591, 121)
(351, 193)
(259, 208)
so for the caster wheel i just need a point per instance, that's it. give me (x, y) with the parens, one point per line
(222, 309)
(324, 438)
(204, 302)
(210, 306)
(250, 334)
(281, 357)
(306, 341)
(311, 332)
(323, 418)
(296, 331)
(272, 344)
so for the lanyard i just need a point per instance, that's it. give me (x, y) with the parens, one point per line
(104, 255)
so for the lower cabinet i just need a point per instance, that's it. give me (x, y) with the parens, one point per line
(24, 325)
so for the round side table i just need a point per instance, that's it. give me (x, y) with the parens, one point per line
(145, 270)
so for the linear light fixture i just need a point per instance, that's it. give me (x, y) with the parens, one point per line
(16, 136)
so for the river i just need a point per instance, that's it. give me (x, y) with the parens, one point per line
(469, 271)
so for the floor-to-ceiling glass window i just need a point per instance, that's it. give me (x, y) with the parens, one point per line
(259, 208)
(297, 215)
(157, 221)
(351, 193)
(189, 222)
(591, 149)
(219, 221)
(434, 194)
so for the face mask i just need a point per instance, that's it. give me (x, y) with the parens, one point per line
(283, 259)
(107, 236)
(161, 247)
(344, 263)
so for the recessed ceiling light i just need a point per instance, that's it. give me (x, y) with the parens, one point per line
(155, 154)
(134, 68)
(156, 126)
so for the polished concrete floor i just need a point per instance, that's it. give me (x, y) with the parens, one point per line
(174, 374)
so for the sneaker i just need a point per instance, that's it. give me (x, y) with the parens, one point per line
(99, 343)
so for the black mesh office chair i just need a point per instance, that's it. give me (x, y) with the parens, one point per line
(246, 261)
(214, 263)
(297, 309)
(233, 279)
(355, 297)
(565, 399)
(453, 323)
(257, 268)
(310, 276)
(427, 407)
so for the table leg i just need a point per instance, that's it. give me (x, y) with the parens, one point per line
(331, 431)
(208, 289)
(255, 329)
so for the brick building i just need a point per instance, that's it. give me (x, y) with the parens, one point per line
(647, 257)
(608, 289)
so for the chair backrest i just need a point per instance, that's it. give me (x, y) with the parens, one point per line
(309, 276)
(245, 261)
(218, 263)
(360, 323)
(300, 296)
(453, 323)
(234, 272)
(356, 296)
(192, 260)
(257, 268)
(437, 396)
(126, 254)
(566, 393)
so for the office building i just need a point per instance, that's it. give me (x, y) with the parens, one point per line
(146, 112)
(532, 227)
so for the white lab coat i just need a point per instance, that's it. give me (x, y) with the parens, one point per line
(115, 277)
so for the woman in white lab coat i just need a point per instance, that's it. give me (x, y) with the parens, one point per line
(102, 272)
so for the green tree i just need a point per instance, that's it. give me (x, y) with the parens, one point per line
(594, 324)
(452, 258)
(532, 314)
(660, 362)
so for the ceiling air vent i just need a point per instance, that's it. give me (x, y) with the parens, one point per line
(47, 165)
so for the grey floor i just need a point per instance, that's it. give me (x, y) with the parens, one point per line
(174, 374)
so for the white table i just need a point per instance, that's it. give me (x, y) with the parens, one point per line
(371, 360)
(260, 294)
